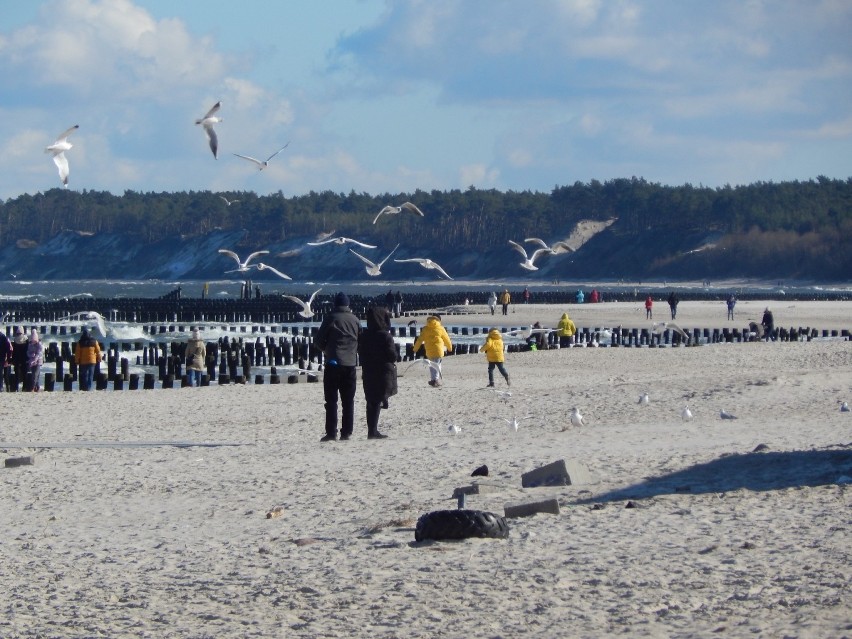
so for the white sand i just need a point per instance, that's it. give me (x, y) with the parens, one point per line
(165, 541)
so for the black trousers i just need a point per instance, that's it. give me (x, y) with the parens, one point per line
(374, 409)
(339, 380)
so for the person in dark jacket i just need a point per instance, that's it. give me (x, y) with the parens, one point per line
(768, 323)
(20, 346)
(5, 361)
(378, 366)
(673, 302)
(337, 338)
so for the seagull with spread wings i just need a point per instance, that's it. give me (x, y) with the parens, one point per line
(372, 268)
(306, 311)
(242, 267)
(262, 164)
(394, 210)
(210, 118)
(528, 262)
(227, 201)
(57, 149)
(426, 263)
(265, 267)
(557, 248)
(341, 241)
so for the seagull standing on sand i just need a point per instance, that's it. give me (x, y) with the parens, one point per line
(306, 311)
(58, 149)
(576, 417)
(453, 429)
(207, 123)
(723, 414)
(528, 262)
(341, 241)
(242, 267)
(372, 268)
(265, 267)
(262, 164)
(427, 264)
(686, 414)
(644, 400)
(557, 249)
(515, 423)
(393, 210)
(844, 407)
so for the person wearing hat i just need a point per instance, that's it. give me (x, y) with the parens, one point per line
(87, 355)
(436, 341)
(196, 358)
(35, 358)
(377, 352)
(337, 338)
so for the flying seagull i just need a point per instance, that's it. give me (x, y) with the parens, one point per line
(393, 210)
(515, 423)
(306, 311)
(425, 362)
(58, 149)
(660, 327)
(242, 267)
(427, 264)
(265, 267)
(528, 262)
(227, 201)
(557, 249)
(341, 241)
(372, 268)
(207, 123)
(262, 164)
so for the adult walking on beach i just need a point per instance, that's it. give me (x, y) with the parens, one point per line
(20, 346)
(397, 304)
(673, 302)
(768, 323)
(436, 341)
(337, 338)
(377, 352)
(196, 358)
(732, 301)
(35, 358)
(565, 331)
(87, 355)
(505, 300)
(649, 306)
(5, 362)
(492, 302)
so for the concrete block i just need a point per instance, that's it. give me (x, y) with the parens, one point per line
(14, 462)
(478, 488)
(559, 473)
(550, 506)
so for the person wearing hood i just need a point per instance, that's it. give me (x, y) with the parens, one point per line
(196, 358)
(35, 358)
(493, 349)
(377, 353)
(5, 362)
(434, 338)
(337, 338)
(492, 302)
(768, 323)
(87, 355)
(565, 330)
(20, 347)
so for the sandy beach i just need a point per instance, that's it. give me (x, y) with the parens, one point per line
(145, 512)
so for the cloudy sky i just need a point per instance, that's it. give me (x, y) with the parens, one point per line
(390, 96)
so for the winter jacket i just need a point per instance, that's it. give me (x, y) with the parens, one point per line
(493, 347)
(566, 327)
(505, 298)
(20, 344)
(492, 300)
(434, 337)
(649, 302)
(35, 353)
(5, 350)
(337, 337)
(196, 355)
(88, 350)
(378, 356)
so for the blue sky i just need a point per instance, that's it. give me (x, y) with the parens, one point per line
(390, 96)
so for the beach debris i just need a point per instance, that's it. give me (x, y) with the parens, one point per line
(460, 524)
(558, 473)
(275, 511)
(481, 471)
(14, 462)
(550, 506)
(726, 415)
(686, 414)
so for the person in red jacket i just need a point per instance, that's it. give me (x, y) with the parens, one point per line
(649, 305)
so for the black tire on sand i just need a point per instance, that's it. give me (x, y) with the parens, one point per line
(460, 524)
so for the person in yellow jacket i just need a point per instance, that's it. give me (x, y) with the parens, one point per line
(493, 349)
(434, 337)
(566, 331)
(505, 299)
(87, 356)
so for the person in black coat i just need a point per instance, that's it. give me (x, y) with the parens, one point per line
(5, 361)
(768, 323)
(378, 366)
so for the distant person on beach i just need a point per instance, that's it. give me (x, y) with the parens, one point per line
(434, 338)
(35, 358)
(492, 302)
(673, 302)
(377, 352)
(565, 331)
(5, 361)
(649, 306)
(196, 358)
(397, 304)
(19, 356)
(526, 295)
(389, 299)
(537, 341)
(87, 356)
(768, 323)
(731, 303)
(580, 297)
(337, 338)
(505, 300)
(493, 349)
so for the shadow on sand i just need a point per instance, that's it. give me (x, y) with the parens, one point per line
(750, 471)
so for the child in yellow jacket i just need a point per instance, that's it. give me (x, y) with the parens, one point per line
(493, 349)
